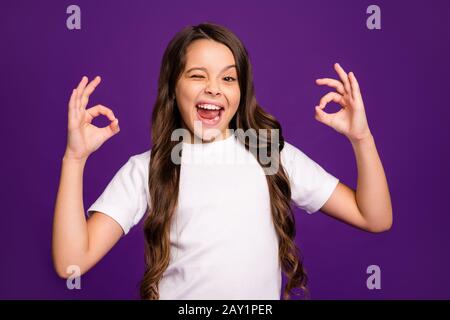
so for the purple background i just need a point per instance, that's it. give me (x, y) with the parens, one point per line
(402, 70)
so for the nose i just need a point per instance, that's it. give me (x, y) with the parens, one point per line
(212, 88)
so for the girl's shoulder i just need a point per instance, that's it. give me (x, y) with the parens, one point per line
(142, 157)
(290, 151)
(293, 158)
(140, 161)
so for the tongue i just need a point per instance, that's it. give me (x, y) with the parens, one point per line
(208, 114)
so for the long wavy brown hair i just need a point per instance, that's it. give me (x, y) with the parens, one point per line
(164, 174)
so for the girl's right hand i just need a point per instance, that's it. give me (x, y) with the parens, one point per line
(83, 138)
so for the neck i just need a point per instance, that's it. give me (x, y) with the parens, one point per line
(194, 139)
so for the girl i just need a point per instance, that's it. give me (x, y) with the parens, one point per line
(213, 229)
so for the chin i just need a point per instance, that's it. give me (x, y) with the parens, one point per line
(209, 135)
(206, 131)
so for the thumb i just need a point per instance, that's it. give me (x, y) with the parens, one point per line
(322, 116)
(112, 129)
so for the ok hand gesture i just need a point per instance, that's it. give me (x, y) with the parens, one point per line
(83, 137)
(351, 119)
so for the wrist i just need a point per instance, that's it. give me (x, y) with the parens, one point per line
(361, 139)
(74, 159)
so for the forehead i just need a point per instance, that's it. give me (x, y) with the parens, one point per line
(209, 54)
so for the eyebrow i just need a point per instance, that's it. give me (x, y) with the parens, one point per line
(204, 69)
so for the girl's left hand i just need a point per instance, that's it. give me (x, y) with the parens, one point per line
(351, 119)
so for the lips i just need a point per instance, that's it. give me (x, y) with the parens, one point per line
(210, 114)
(211, 102)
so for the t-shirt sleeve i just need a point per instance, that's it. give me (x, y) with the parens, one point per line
(311, 185)
(125, 198)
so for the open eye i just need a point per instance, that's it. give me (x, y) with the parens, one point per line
(230, 79)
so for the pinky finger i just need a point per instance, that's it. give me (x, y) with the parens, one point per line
(72, 100)
(355, 86)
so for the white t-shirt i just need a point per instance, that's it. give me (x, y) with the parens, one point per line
(223, 241)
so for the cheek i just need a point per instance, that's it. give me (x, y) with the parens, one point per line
(185, 97)
(235, 98)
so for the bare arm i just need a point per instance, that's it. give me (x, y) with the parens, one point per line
(369, 207)
(77, 241)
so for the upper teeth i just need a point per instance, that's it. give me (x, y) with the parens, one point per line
(209, 106)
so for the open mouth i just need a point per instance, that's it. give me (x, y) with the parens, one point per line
(209, 114)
